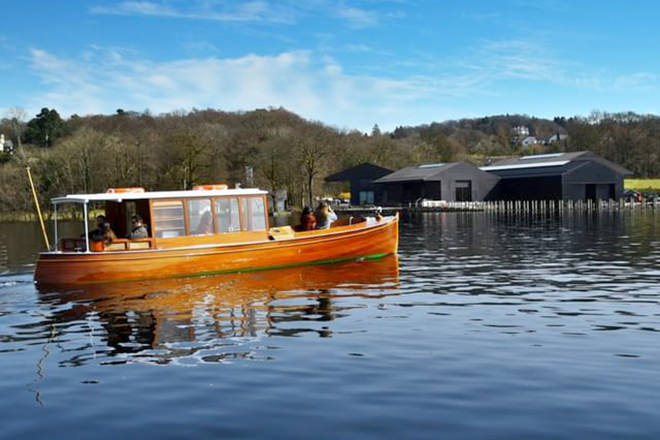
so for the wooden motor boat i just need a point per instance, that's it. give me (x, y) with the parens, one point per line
(205, 231)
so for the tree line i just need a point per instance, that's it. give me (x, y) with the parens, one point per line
(181, 149)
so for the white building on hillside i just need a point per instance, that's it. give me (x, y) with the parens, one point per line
(557, 137)
(520, 131)
(529, 140)
(6, 145)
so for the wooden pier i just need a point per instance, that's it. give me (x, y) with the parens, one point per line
(538, 206)
(512, 207)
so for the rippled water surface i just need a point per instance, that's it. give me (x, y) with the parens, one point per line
(484, 327)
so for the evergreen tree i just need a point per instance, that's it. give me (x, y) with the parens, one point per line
(45, 128)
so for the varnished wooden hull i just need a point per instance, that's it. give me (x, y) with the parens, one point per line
(342, 244)
(181, 295)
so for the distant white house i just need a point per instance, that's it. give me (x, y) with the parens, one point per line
(279, 200)
(520, 131)
(557, 137)
(529, 140)
(6, 145)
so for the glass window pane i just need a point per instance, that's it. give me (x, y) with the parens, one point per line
(258, 212)
(168, 219)
(253, 213)
(200, 219)
(226, 211)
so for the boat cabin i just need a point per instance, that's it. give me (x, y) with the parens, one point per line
(208, 214)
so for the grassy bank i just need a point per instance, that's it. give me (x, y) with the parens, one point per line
(31, 216)
(642, 184)
(9, 217)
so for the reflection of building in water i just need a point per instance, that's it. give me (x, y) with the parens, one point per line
(166, 319)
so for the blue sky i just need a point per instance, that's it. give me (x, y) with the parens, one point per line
(349, 64)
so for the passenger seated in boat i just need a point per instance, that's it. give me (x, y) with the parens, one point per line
(325, 216)
(102, 238)
(108, 234)
(138, 229)
(307, 219)
(205, 225)
(97, 234)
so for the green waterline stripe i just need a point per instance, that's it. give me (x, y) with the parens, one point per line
(283, 266)
(251, 269)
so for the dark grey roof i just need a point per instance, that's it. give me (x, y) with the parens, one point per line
(428, 172)
(362, 171)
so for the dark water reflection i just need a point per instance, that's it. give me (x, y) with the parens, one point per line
(162, 320)
(484, 327)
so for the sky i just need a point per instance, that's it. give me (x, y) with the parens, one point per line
(348, 64)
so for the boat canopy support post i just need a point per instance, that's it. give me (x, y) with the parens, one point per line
(55, 245)
(86, 227)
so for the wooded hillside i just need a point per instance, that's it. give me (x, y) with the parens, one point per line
(179, 150)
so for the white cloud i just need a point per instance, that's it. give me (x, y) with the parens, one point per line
(517, 59)
(248, 11)
(636, 80)
(358, 48)
(315, 86)
(358, 18)
(264, 11)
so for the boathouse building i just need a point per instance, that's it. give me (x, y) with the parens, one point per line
(452, 181)
(578, 175)
(361, 178)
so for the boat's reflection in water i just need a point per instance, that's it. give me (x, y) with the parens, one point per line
(207, 318)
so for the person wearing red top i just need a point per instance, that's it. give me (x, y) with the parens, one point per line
(307, 219)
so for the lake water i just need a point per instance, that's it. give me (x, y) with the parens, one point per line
(484, 327)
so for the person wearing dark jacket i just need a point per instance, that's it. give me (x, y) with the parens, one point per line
(97, 234)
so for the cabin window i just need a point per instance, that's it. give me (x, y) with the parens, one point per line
(366, 197)
(226, 213)
(200, 218)
(253, 213)
(168, 218)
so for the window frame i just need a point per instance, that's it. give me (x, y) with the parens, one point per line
(184, 202)
(215, 214)
(154, 227)
(244, 224)
(187, 209)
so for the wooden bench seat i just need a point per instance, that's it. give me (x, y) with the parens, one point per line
(119, 244)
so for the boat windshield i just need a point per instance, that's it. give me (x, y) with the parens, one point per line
(107, 225)
(138, 223)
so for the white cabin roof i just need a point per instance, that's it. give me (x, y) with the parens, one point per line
(151, 195)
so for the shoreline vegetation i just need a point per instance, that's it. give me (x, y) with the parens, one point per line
(643, 184)
(275, 149)
(31, 216)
